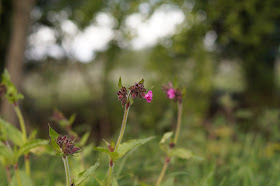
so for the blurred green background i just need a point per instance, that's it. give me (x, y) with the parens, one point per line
(69, 54)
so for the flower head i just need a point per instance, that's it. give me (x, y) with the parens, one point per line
(175, 94)
(66, 145)
(171, 93)
(149, 96)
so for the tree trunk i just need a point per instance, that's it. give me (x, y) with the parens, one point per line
(15, 53)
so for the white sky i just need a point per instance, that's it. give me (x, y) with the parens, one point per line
(82, 45)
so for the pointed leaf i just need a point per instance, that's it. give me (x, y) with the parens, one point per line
(113, 155)
(52, 133)
(141, 82)
(84, 139)
(120, 83)
(72, 119)
(182, 153)
(129, 145)
(30, 145)
(166, 137)
(83, 178)
(6, 154)
(12, 133)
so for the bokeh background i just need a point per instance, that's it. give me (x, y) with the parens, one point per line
(69, 54)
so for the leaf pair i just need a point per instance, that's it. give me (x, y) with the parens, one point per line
(177, 152)
(123, 148)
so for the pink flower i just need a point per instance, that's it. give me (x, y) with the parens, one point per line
(149, 96)
(171, 93)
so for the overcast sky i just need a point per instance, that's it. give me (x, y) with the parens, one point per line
(82, 45)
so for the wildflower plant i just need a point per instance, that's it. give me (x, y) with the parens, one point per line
(64, 146)
(168, 144)
(117, 150)
(13, 142)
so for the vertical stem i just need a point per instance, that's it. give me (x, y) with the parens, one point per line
(27, 164)
(23, 129)
(8, 173)
(163, 171)
(123, 125)
(67, 170)
(179, 119)
(111, 166)
(21, 122)
(17, 175)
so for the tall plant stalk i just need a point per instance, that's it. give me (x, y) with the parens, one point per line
(23, 129)
(67, 170)
(111, 164)
(17, 175)
(177, 132)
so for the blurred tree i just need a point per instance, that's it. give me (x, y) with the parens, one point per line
(18, 24)
(248, 31)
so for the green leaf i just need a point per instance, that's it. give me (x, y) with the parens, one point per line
(30, 145)
(84, 139)
(181, 153)
(32, 135)
(10, 132)
(12, 94)
(24, 178)
(83, 178)
(129, 145)
(72, 119)
(164, 142)
(113, 155)
(166, 137)
(141, 82)
(52, 133)
(120, 83)
(6, 154)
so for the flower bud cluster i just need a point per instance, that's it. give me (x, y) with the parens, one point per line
(122, 95)
(66, 145)
(172, 93)
(137, 90)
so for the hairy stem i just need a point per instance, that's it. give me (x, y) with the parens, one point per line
(123, 126)
(179, 119)
(166, 163)
(67, 170)
(111, 166)
(17, 175)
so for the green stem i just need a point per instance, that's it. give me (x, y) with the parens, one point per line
(166, 163)
(17, 175)
(27, 164)
(123, 126)
(23, 129)
(67, 170)
(111, 166)
(8, 173)
(179, 119)
(21, 122)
